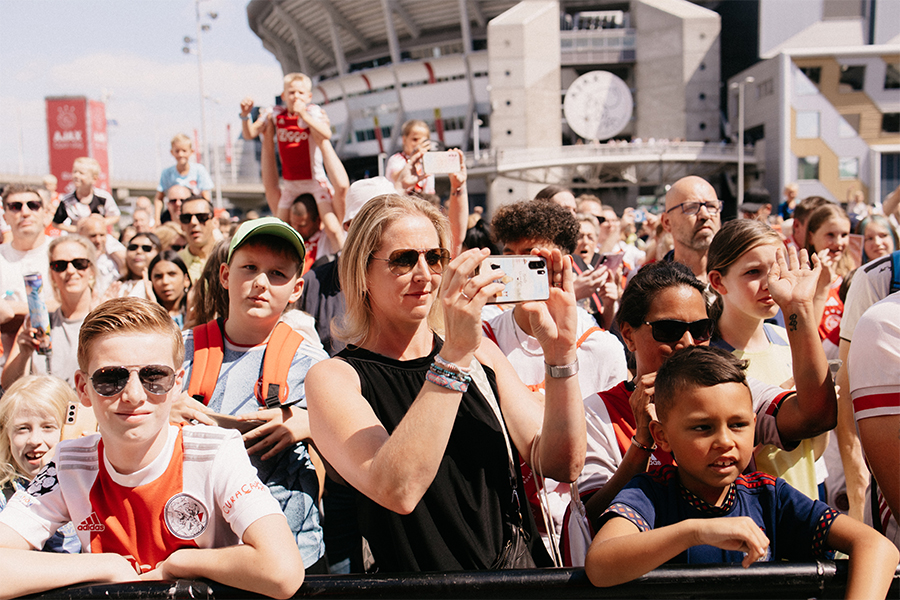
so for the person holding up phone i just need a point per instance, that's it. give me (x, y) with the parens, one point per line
(545, 225)
(421, 415)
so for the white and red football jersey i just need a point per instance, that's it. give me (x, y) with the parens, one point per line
(200, 492)
(874, 372)
(301, 159)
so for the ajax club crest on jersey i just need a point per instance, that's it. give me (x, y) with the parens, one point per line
(186, 517)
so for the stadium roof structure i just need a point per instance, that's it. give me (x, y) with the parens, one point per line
(325, 38)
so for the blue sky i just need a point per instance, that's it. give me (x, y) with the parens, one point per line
(130, 49)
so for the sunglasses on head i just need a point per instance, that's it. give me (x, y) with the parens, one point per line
(156, 379)
(402, 261)
(176, 247)
(33, 206)
(144, 247)
(60, 266)
(668, 331)
(202, 218)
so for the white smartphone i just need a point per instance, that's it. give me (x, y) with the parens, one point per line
(440, 163)
(525, 278)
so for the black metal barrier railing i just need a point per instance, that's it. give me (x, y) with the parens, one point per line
(764, 580)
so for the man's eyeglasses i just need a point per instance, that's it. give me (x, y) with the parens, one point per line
(144, 247)
(402, 261)
(669, 331)
(33, 206)
(202, 218)
(156, 379)
(60, 266)
(692, 208)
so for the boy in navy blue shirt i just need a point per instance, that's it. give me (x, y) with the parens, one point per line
(704, 510)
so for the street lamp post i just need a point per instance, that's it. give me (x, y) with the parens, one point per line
(739, 86)
(201, 27)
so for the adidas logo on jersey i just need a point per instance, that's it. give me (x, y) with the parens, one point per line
(92, 523)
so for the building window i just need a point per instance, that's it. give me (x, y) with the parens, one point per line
(814, 74)
(892, 76)
(848, 168)
(808, 167)
(807, 124)
(766, 88)
(890, 123)
(852, 78)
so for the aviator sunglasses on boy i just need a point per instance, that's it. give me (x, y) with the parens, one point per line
(402, 261)
(156, 379)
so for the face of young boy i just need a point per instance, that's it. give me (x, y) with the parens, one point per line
(261, 282)
(132, 418)
(182, 152)
(82, 177)
(710, 436)
(32, 434)
(296, 95)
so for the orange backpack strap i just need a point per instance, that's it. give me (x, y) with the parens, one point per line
(586, 335)
(280, 350)
(209, 350)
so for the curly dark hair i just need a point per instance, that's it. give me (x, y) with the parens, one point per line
(536, 220)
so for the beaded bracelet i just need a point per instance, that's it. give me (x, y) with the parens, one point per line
(446, 381)
(451, 366)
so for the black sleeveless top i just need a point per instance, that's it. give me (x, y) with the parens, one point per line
(459, 523)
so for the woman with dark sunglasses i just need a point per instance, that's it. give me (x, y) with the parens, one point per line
(664, 309)
(405, 414)
(135, 283)
(72, 276)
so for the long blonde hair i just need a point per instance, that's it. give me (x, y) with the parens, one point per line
(363, 239)
(42, 394)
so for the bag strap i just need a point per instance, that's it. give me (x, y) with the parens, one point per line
(209, 351)
(280, 350)
(479, 378)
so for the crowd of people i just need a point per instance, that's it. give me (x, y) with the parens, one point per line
(330, 389)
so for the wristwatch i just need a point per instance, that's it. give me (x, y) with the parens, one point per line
(562, 370)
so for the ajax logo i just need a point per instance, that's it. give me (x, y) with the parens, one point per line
(65, 117)
(186, 517)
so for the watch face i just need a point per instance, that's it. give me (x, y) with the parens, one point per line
(598, 105)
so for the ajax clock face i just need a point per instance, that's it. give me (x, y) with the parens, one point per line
(598, 105)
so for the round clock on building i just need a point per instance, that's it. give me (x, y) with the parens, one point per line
(598, 105)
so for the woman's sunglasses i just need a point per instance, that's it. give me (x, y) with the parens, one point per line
(669, 331)
(60, 266)
(156, 379)
(144, 247)
(402, 261)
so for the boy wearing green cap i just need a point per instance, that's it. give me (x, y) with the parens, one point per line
(235, 382)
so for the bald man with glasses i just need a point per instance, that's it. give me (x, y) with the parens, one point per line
(693, 218)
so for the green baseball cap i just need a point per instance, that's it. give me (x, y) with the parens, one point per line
(267, 226)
